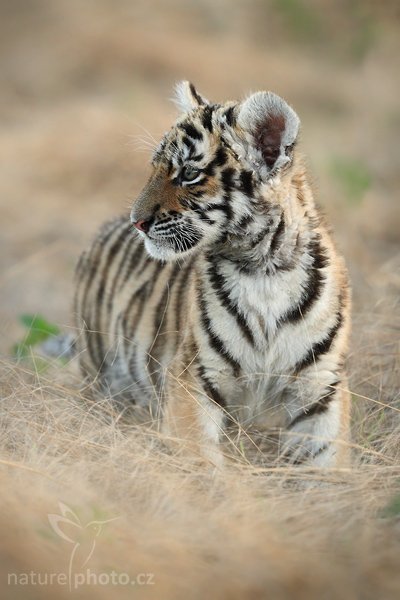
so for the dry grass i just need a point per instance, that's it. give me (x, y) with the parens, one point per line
(244, 532)
(80, 78)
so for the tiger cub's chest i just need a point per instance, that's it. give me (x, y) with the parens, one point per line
(246, 317)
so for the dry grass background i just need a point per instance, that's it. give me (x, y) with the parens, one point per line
(83, 82)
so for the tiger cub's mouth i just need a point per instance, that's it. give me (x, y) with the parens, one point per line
(171, 243)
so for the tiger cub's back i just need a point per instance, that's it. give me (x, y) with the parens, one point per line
(122, 296)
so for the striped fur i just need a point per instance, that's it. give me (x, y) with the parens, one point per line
(231, 299)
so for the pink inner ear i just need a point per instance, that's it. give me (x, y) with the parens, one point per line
(268, 138)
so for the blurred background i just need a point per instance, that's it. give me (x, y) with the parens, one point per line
(85, 92)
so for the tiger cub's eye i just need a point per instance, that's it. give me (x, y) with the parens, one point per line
(189, 173)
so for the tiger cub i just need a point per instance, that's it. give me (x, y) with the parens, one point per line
(224, 296)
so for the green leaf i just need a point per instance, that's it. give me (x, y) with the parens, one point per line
(39, 324)
(38, 331)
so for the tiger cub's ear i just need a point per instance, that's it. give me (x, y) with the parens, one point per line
(271, 126)
(187, 98)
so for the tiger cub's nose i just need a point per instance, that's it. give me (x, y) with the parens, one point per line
(142, 225)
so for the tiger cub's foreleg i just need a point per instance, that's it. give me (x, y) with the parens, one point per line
(192, 420)
(318, 434)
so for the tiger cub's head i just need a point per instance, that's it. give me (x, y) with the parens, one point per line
(210, 170)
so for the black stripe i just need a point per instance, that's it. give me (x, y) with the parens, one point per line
(310, 456)
(210, 390)
(159, 150)
(318, 407)
(209, 169)
(93, 257)
(220, 158)
(161, 306)
(191, 131)
(113, 285)
(202, 212)
(188, 143)
(195, 95)
(115, 247)
(277, 235)
(227, 182)
(230, 116)
(132, 263)
(217, 283)
(321, 260)
(227, 179)
(81, 262)
(128, 328)
(314, 285)
(142, 295)
(320, 348)
(214, 340)
(195, 192)
(244, 221)
(246, 183)
(300, 196)
(169, 225)
(225, 208)
(87, 312)
(140, 298)
(207, 118)
(95, 342)
(161, 318)
(181, 295)
(261, 235)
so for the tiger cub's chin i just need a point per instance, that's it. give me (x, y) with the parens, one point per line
(163, 252)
